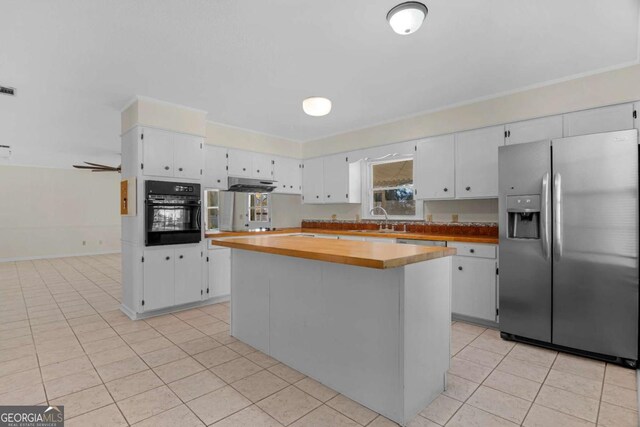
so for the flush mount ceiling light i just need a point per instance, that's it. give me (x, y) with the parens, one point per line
(316, 106)
(406, 18)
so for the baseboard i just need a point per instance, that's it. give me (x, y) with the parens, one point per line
(138, 316)
(474, 320)
(32, 258)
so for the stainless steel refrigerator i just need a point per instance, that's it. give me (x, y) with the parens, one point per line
(569, 244)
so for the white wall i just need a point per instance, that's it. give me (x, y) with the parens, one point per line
(51, 212)
(232, 137)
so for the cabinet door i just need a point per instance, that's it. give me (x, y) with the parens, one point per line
(239, 163)
(534, 130)
(261, 166)
(434, 168)
(158, 281)
(312, 181)
(215, 167)
(597, 120)
(157, 152)
(336, 178)
(477, 162)
(474, 288)
(188, 282)
(288, 175)
(187, 156)
(219, 272)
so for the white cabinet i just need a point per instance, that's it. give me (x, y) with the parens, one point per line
(171, 154)
(434, 173)
(188, 274)
(596, 120)
(188, 159)
(219, 272)
(336, 178)
(288, 175)
(261, 166)
(215, 167)
(239, 163)
(158, 273)
(534, 130)
(477, 162)
(157, 152)
(313, 181)
(474, 284)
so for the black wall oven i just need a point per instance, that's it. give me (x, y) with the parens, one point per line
(172, 213)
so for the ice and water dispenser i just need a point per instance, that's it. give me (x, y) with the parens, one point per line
(523, 217)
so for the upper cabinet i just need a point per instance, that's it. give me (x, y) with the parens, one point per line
(170, 154)
(605, 119)
(476, 165)
(288, 175)
(434, 176)
(341, 179)
(239, 163)
(261, 166)
(215, 167)
(312, 181)
(533, 130)
(246, 164)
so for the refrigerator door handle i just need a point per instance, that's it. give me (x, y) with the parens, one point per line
(557, 217)
(544, 220)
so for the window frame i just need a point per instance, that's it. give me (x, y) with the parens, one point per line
(205, 216)
(367, 190)
(268, 207)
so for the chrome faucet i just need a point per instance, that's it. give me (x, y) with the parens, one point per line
(386, 217)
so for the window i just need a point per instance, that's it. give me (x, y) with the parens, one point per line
(390, 186)
(258, 210)
(212, 210)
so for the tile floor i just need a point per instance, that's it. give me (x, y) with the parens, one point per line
(63, 340)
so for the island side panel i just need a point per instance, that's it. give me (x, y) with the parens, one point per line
(250, 297)
(340, 325)
(427, 325)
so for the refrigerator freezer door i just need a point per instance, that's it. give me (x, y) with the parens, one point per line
(525, 265)
(595, 275)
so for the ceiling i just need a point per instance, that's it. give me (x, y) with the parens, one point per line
(250, 63)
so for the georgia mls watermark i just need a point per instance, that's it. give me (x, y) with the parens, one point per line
(32, 416)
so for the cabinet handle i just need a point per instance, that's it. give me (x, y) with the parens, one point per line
(468, 188)
(460, 268)
(181, 256)
(244, 169)
(166, 168)
(473, 251)
(446, 189)
(180, 169)
(258, 170)
(291, 186)
(284, 186)
(328, 196)
(168, 258)
(317, 197)
(218, 180)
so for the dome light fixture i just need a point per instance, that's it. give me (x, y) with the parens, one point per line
(407, 18)
(316, 106)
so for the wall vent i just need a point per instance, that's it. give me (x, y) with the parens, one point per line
(6, 90)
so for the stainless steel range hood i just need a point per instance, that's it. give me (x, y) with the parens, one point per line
(251, 185)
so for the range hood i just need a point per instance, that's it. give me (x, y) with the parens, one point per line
(251, 185)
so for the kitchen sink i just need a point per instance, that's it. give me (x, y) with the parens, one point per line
(380, 231)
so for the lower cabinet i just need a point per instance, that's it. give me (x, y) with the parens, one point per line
(172, 276)
(219, 283)
(159, 271)
(188, 275)
(474, 287)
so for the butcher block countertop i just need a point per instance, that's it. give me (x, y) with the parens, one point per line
(372, 233)
(361, 254)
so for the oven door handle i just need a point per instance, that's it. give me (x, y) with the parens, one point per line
(199, 218)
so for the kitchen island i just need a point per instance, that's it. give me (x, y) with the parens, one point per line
(370, 320)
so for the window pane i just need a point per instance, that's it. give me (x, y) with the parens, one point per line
(392, 174)
(212, 218)
(212, 197)
(396, 201)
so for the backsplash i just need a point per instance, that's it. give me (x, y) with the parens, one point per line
(459, 228)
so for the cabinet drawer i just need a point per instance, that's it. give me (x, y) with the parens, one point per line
(477, 250)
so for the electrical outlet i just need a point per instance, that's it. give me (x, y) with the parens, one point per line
(454, 217)
(429, 218)
(84, 243)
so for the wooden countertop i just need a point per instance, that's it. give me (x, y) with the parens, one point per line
(362, 254)
(371, 233)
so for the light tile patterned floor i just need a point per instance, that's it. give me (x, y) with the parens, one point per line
(63, 340)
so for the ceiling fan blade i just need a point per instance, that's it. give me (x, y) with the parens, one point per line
(98, 165)
(83, 167)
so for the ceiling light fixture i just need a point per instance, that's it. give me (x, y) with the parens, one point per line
(406, 18)
(316, 106)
